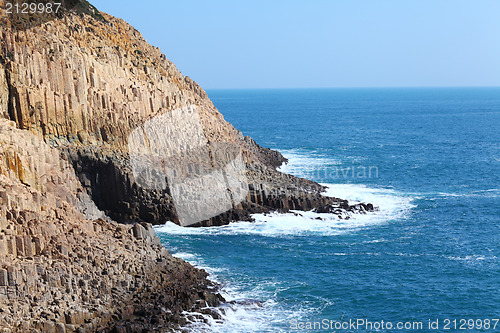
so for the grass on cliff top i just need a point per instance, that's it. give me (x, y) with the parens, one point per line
(85, 7)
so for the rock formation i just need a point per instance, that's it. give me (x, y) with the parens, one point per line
(84, 83)
(74, 89)
(64, 268)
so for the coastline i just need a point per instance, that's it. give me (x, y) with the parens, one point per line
(132, 200)
(77, 249)
(255, 306)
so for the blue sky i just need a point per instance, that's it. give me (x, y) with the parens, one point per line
(323, 43)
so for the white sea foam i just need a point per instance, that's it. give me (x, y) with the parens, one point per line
(319, 166)
(392, 206)
(248, 308)
(185, 255)
(489, 193)
(472, 258)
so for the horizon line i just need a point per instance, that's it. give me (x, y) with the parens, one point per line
(356, 87)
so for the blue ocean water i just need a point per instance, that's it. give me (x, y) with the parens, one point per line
(429, 158)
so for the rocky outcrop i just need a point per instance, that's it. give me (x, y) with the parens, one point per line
(61, 271)
(97, 126)
(84, 82)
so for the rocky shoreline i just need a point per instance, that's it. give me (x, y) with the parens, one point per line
(63, 272)
(77, 248)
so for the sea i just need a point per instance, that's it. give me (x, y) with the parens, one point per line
(427, 261)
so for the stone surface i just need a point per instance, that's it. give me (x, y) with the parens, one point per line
(85, 82)
(73, 88)
(62, 272)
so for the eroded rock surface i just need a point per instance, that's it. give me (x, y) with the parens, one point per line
(84, 83)
(60, 271)
(73, 88)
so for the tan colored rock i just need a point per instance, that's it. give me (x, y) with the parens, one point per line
(4, 94)
(72, 89)
(61, 272)
(81, 87)
(85, 82)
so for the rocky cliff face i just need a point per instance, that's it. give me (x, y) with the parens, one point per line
(89, 112)
(62, 268)
(85, 83)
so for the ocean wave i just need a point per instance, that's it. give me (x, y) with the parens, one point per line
(489, 193)
(391, 203)
(248, 308)
(472, 258)
(392, 206)
(184, 255)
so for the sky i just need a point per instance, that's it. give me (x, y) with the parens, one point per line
(322, 43)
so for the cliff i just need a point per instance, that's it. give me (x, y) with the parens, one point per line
(62, 268)
(99, 127)
(85, 83)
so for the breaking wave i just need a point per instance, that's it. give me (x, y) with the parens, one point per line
(392, 206)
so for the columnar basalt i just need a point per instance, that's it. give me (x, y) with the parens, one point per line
(85, 104)
(84, 82)
(64, 268)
